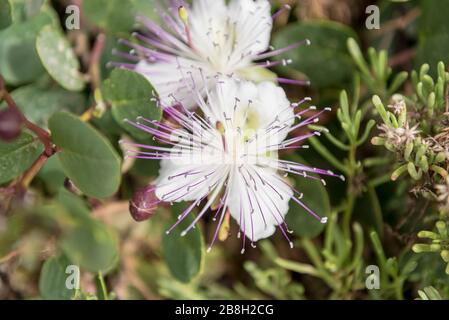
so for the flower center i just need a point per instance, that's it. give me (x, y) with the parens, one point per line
(241, 144)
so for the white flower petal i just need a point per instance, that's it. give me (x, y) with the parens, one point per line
(174, 81)
(258, 210)
(185, 182)
(254, 24)
(224, 39)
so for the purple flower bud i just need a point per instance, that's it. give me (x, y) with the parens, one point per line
(10, 124)
(143, 204)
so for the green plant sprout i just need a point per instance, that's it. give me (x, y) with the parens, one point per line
(439, 242)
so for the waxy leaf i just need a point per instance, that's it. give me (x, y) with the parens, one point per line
(116, 16)
(52, 175)
(92, 246)
(131, 96)
(89, 243)
(59, 59)
(25, 9)
(5, 14)
(54, 282)
(17, 156)
(316, 198)
(19, 61)
(326, 61)
(183, 255)
(87, 158)
(39, 104)
(111, 15)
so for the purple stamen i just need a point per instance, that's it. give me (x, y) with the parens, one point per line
(284, 8)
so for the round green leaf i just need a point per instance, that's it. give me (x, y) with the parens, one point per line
(5, 14)
(38, 104)
(59, 59)
(111, 15)
(52, 175)
(17, 156)
(146, 8)
(24, 9)
(131, 96)
(92, 246)
(118, 15)
(19, 61)
(183, 255)
(52, 281)
(316, 198)
(87, 158)
(326, 61)
(88, 243)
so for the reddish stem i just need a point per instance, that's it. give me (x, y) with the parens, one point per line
(42, 134)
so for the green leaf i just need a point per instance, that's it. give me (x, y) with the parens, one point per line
(183, 255)
(52, 280)
(131, 96)
(316, 198)
(146, 8)
(433, 17)
(5, 14)
(433, 30)
(118, 16)
(111, 15)
(432, 49)
(75, 206)
(19, 61)
(91, 245)
(25, 9)
(17, 156)
(39, 104)
(59, 59)
(145, 168)
(87, 158)
(52, 175)
(326, 61)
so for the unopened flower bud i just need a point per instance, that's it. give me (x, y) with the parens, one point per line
(418, 248)
(441, 227)
(143, 204)
(10, 124)
(445, 255)
(427, 234)
(440, 157)
(435, 247)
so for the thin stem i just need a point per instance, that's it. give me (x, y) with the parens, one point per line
(29, 175)
(322, 150)
(94, 71)
(104, 290)
(375, 182)
(19, 186)
(94, 61)
(42, 134)
(330, 137)
(352, 167)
